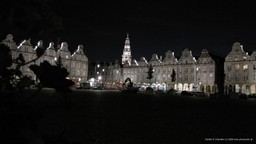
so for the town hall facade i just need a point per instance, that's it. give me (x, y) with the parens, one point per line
(191, 74)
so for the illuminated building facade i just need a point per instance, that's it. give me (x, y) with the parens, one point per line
(191, 74)
(76, 63)
(127, 55)
(240, 71)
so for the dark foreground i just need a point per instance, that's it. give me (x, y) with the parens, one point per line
(109, 117)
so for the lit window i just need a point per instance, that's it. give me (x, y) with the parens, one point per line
(245, 67)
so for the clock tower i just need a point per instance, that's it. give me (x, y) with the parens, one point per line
(127, 56)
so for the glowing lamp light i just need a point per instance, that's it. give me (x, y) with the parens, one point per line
(99, 77)
(21, 44)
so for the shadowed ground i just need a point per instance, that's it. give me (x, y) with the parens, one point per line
(110, 117)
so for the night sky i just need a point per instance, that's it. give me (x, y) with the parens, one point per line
(154, 27)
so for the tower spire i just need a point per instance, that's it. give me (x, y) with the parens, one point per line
(127, 57)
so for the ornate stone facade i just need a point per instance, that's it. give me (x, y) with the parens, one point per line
(191, 74)
(76, 63)
(127, 55)
(240, 71)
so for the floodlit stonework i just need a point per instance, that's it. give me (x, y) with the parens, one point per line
(127, 55)
(76, 63)
(240, 71)
(191, 74)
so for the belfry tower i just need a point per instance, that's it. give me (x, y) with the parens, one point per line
(127, 56)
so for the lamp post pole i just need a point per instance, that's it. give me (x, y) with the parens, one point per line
(96, 72)
(197, 69)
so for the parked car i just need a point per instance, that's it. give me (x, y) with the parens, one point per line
(186, 93)
(172, 92)
(252, 96)
(84, 86)
(242, 96)
(216, 95)
(199, 94)
(97, 88)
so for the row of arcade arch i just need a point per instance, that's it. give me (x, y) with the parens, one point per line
(245, 89)
(196, 87)
(184, 87)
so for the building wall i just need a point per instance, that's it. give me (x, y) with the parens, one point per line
(240, 71)
(191, 74)
(76, 64)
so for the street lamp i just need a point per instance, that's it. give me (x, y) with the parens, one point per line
(99, 80)
(96, 72)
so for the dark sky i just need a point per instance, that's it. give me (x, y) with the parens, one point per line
(155, 27)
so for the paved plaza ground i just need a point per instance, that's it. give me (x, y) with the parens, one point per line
(110, 117)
